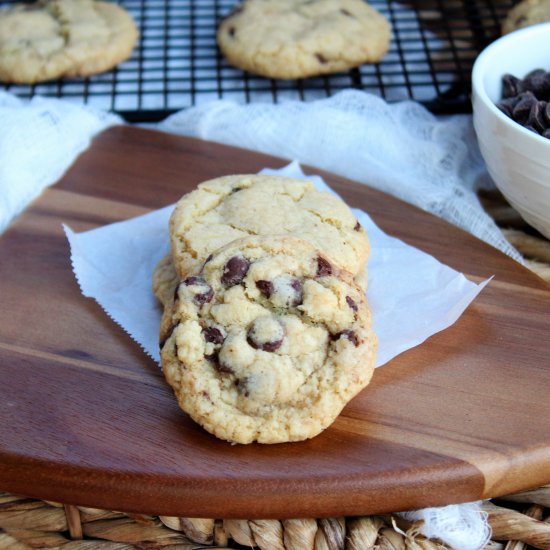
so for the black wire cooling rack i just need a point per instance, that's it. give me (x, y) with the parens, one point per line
(177, 64)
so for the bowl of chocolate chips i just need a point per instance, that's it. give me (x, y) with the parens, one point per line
(511, 115)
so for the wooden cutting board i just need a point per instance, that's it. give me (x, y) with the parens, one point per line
(86, 418)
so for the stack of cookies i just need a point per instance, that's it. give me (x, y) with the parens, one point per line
(266, 332)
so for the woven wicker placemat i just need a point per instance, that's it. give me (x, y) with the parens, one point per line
(517, 522)
(534, 247)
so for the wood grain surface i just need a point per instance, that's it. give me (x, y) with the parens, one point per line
(86, 418)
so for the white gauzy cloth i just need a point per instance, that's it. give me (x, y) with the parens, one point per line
(399, 148)
(39, 140)
(460, 526)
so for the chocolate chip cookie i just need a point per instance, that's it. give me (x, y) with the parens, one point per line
(232, 207)
(299, 38)
(61, 38)
(269, 341)
(525, 14)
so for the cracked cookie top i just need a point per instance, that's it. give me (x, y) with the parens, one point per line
(232, 207)
(56, 38)
(268, 341)
(300, 38)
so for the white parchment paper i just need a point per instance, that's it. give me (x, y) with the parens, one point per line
(412, 295)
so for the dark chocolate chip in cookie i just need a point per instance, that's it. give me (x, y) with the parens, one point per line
(224, 369)
(265, 287)
(235, 270)
(321, 58)
(266, 333)
(351, 303)
(298, 298)
(203, 292)
(167, 335)
(213, 357)
(324, 268)
(213, 335)
(349, 334)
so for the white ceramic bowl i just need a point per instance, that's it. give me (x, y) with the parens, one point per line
(517, 159)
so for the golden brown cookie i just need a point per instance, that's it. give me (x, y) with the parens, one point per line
(232, 207)
(61, 38)
(269, 341)
(300, 38)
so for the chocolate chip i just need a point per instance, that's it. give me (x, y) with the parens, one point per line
(168, 334)
(218, 365)
(357, 227)
(349, 334)
(321, 58)
(214, 357)
(232, 31)
(296, 284)
(346, 12)
(266, 334)
(224, 369)
(236, 190)
(527, 101)
(538, 83)
(536, 118)
(546, 87)
(285, 291)
(324, 268)
(351, 303)
(265, 287)
(523, 107)
(204, 295)
(264, 346)
(235, 270)
(213, 335)
(511, 86)
(194, 280)
(507, 106)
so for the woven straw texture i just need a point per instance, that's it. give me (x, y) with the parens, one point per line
(534, 248)
(517, 522)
